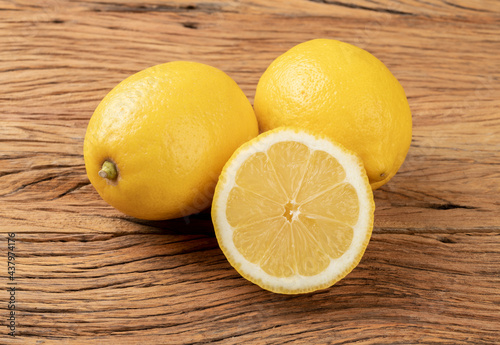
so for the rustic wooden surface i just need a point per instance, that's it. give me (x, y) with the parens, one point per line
(87, 274)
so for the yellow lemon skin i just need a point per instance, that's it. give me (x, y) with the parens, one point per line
(344, 92)
(168, 130)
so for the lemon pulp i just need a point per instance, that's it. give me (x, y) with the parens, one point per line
(292, 208)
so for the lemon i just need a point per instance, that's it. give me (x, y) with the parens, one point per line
(293, 211)
(344, 92)
(157, 142)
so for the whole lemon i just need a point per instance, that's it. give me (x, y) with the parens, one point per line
(344, 92)
(156, 144)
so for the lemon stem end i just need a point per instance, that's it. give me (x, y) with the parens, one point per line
(108, 170)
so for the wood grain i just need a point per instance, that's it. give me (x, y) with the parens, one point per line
(181, 289)
(87, 274)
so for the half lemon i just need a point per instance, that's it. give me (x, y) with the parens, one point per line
(293, 211)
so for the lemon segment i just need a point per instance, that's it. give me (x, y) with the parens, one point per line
(258, 175)
(289, 160)
(343, 197)
(293, 211)
(245, 207)
(323, 170)
(334, 237)
(279, 258)
(253, 240)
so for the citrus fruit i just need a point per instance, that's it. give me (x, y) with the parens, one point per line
(293, 211)
(344, 92)
(157, 142)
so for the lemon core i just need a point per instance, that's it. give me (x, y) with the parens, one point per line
(291, 211)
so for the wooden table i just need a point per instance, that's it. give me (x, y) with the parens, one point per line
(87, 274)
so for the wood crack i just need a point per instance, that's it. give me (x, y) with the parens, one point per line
(366, 8)
(41, 167)
(448, 206)
(72, 189)
(142, 8)
(464, 7)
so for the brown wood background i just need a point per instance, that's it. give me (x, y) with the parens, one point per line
(87, 274)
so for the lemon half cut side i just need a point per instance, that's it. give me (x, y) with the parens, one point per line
(293, 211)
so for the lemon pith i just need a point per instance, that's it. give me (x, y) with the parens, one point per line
(292, 212)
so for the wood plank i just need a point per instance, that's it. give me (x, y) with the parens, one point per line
(88, 274)
(475, 89)
(178, 289)
(109, 38)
